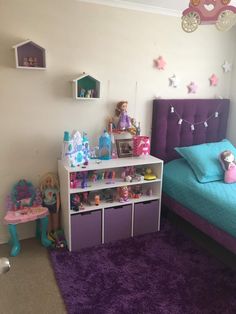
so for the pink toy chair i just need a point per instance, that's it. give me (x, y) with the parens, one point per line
(24, 205)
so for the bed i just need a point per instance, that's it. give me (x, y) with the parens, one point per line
(184, 123)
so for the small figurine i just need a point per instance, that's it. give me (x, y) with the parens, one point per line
(124, 122)
(31, 61)
(124, 194)
(25, 62)
(149, 192)
(49, 187)
(82, 92)
(97, 199)
(88, 94)
(149, 175)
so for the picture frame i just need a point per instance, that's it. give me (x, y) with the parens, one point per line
(124, 147)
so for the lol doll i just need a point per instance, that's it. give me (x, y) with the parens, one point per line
(124, 122)
(49, 187)
(124, 194)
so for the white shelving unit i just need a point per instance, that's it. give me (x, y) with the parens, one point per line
(110, 221)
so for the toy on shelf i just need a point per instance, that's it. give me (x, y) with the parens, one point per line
(49, 187)
(108, 195)
(105, 146)
(136, 191)
(123, 194)
(78, 201)
(97, 199)
(75, 150)
(82, 92)
(149, 175)
(24, 204)
(75, 180)
(124, 122)
(149, 192)
(128, 174)
(84, 182)
(141, 145)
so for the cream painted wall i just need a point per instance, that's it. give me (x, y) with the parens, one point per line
(232, 117)
(117, 46)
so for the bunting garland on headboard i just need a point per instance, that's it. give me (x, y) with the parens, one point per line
(193, 124)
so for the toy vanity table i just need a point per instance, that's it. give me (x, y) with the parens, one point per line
(24, 205)
(38, 214)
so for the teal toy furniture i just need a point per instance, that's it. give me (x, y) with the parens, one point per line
(24, 205)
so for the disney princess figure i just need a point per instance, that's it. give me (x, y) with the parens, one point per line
(124, 122)
(228, 163)
(49, 187)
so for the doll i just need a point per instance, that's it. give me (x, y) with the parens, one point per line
(124, 194)
(49, 187)
(124, 122)
(228, 163)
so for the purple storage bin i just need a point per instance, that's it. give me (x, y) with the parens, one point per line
(86, 229)
(117, 223)
(146, 217)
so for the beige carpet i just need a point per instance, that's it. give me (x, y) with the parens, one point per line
(29, 287)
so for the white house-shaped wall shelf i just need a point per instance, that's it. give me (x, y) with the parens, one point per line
(86, 87)
(29, 55)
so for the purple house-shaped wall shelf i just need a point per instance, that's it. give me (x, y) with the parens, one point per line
(86, 87)
(29, 55)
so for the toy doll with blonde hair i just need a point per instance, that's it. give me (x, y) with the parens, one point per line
(124, 122)
(49, 187)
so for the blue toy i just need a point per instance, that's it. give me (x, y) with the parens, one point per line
(75, 150)
(105, 146)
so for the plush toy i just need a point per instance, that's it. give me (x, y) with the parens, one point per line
(228, 163)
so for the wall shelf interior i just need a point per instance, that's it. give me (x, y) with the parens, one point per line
(86, 87)
(30, 55)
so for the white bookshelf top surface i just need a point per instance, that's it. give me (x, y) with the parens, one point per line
(96, 164)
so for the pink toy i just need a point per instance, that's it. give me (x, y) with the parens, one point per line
(25, 215)
(24, 205)
(208, 12)
(141, 145)
(228, 163)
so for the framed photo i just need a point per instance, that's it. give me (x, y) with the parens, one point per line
(124, 147)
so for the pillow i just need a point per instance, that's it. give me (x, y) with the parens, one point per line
(204, 159)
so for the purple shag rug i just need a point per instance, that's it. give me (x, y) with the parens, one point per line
(158, 273)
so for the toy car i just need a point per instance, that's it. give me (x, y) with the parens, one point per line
(216, 12)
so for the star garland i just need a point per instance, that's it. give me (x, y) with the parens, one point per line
(193, 125)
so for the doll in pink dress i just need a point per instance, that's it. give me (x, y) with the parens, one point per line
(124, 122)
(228, 163)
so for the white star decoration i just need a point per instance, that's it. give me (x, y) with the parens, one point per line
(174, 81)
(227, 67)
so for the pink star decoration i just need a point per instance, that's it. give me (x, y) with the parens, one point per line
(213, 80)
(192, 88)
(160, 63)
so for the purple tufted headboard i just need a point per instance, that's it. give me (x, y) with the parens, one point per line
(168, 134)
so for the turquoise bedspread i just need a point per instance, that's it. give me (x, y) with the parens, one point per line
(214, 201)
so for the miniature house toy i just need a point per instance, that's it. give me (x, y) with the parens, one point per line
(30, 55)
(86, 87)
